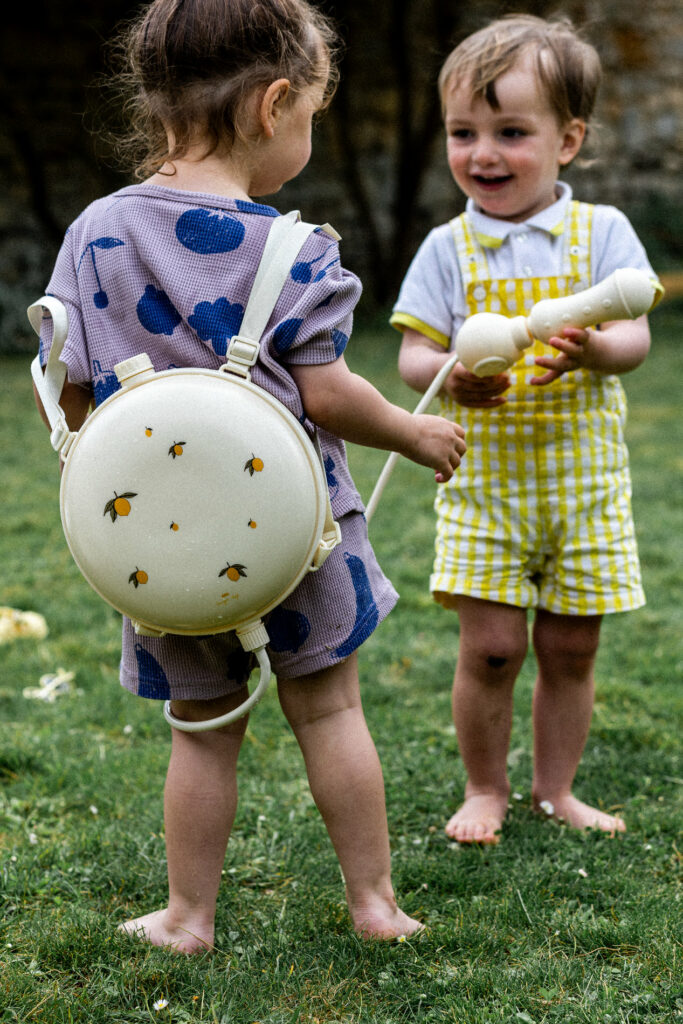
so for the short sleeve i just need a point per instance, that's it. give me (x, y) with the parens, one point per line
(615, 244)
(314, 316)
(431, 297)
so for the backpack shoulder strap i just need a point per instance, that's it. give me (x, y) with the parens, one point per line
(50, 383)
(286, 238)
(285, 241)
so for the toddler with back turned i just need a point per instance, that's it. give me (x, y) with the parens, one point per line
(225, 92)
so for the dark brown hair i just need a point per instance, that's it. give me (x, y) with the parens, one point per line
(568, 68)
(187, 67)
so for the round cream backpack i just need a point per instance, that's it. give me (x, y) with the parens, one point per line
(175, 490)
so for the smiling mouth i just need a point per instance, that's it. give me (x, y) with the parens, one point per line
(492, 182)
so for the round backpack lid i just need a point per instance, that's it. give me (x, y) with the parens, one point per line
(193, 523)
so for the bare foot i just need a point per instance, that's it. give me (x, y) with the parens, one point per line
(479, 820)
(382, 919)
(156, 929)
(576, 814)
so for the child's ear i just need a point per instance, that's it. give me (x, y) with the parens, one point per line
(272, 103)
(573, 135)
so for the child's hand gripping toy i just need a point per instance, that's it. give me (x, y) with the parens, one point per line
(489, 343)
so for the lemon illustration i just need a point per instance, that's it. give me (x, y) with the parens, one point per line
(233, 572)
(119, 505)
(254, 465)
(176, 448)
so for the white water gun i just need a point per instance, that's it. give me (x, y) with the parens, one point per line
(489, 343)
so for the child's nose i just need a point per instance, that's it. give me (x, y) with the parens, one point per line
(484, 150)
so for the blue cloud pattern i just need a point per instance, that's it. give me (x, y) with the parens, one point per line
(217, 322)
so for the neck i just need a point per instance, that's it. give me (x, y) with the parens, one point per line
(211, 174)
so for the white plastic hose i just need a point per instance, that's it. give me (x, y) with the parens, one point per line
(229, 716)
(388, 469)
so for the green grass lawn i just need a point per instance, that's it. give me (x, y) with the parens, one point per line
(549, 926)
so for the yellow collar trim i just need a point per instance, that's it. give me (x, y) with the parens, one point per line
(493, 242)
(488, 241)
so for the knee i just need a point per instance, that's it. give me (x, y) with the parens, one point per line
(493, 639)
(315, 712)
(574, 645)
(497, 657)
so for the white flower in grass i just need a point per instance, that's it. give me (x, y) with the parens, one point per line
(160, 1004)
(401, 938)
(583, 873)
(32, 838)
(517, 796)
(93, 809)
(547, 807)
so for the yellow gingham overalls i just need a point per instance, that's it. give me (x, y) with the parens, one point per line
(539, 512)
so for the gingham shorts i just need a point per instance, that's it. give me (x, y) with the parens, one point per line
(539, 516)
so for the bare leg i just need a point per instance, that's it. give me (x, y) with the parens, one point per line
(324, 710)
(200, 801)
(566, 646)
(493, 644)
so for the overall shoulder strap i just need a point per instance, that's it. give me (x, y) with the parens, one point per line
(577, 243)
(470, 255)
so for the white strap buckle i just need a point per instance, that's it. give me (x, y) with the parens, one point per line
(328, 543)
(61, 438)
(241, 356)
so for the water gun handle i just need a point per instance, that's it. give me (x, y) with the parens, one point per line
(624, 295)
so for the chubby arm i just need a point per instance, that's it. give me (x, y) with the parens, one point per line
(619, 346)
(420, 359)
(347, 405)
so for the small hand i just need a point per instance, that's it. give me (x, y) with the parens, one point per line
(438, 443)
(476, 392)
(572, 348)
